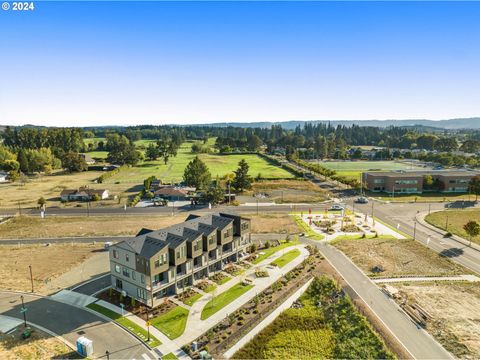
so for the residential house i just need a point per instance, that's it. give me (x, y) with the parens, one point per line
(88, 159)
(83, 194)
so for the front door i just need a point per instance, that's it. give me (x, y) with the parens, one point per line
(119, 284)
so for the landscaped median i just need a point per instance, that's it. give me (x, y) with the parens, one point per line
(286, 258)
(265, 253)
(307, 229)
(172, 323)
(126, 323)
(225, 298)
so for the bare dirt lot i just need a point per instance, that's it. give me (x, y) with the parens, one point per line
(289, 191)
(455, 311)
(273, 223)
(39, 346)
(35, 227)
(397, 258)
(48, 262)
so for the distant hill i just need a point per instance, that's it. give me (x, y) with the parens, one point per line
(418, 124)
(467, 123)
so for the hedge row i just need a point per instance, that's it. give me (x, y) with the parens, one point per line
(285, 166)
(111, 173)
(332, 174)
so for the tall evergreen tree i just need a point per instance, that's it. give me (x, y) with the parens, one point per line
(197, 174)
(242, 180)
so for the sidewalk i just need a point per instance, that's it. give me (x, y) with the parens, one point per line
(195, 326)
(469, 278)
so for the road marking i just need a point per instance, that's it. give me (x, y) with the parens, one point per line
(146, 357)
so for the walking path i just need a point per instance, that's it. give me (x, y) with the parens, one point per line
(267, 321)
(417, 342)
(73, 298)
(195, 325)
(469, 278)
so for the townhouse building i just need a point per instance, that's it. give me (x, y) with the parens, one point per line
(159, 263)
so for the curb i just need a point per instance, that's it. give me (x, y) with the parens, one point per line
(420, 217)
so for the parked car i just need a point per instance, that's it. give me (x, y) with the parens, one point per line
(361, 200)
(336, 207)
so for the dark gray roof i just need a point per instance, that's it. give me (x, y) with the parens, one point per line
(147, 242)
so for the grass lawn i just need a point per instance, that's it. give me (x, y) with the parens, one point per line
(218, 165)
(172, 323)
(130, 325)
(307, 229)
(421, 198)
(286, 258)
(192, 299)
(223, 299)
(265, 253)
(456, 220)
(210, 288)
(169, 356)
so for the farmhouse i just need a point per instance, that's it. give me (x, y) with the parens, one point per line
(88, 159)
(417, 182)
(164, 262)
(83, 194)
(172, 193)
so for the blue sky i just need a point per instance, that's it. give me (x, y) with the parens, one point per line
(99, 63)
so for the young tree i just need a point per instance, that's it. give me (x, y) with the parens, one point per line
(472, 228)
(23, 161)
(242, 180)
(41, 202)
(474, 186)
(197, 174)
(167, 148)
(152, 152)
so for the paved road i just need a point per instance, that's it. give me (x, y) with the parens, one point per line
(107, 211)
(93, 286)
(403, 214)
(417, 342)
(72, 322)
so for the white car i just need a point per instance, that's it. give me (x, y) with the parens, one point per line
(336, 207)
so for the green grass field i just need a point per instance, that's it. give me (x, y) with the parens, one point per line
(172, 323)
(456, 220)
(125, 322)
(286, 258)
(353, 169)
(222, 300)
(218, 165)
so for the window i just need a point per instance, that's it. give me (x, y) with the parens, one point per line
(211, 240)
(244, 226)
(115, 254)
(161, 260)
(117, 269)
(159, 278)
(227, 233)
(157, 263)
(378, 181)
(405, 182)
(196, 245)
(127, 258)
(141, 293)
(126, 272)
(142, 278)
(134, 275)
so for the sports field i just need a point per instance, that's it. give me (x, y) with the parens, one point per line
(353, 169)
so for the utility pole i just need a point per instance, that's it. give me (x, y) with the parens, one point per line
(429, 208)
(31, 276)
(373, 219)
(446, 223)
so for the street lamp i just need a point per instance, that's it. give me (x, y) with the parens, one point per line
(23, 310)
(31, 276)
(107, 354)
(415, 229)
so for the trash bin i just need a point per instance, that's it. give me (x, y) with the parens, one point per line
(26, 333)
(84, 346)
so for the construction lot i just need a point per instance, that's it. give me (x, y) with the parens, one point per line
(286, 191)
(47, 262)
(39, 345)
(394, 258)
(454, 310)
(26, 227)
